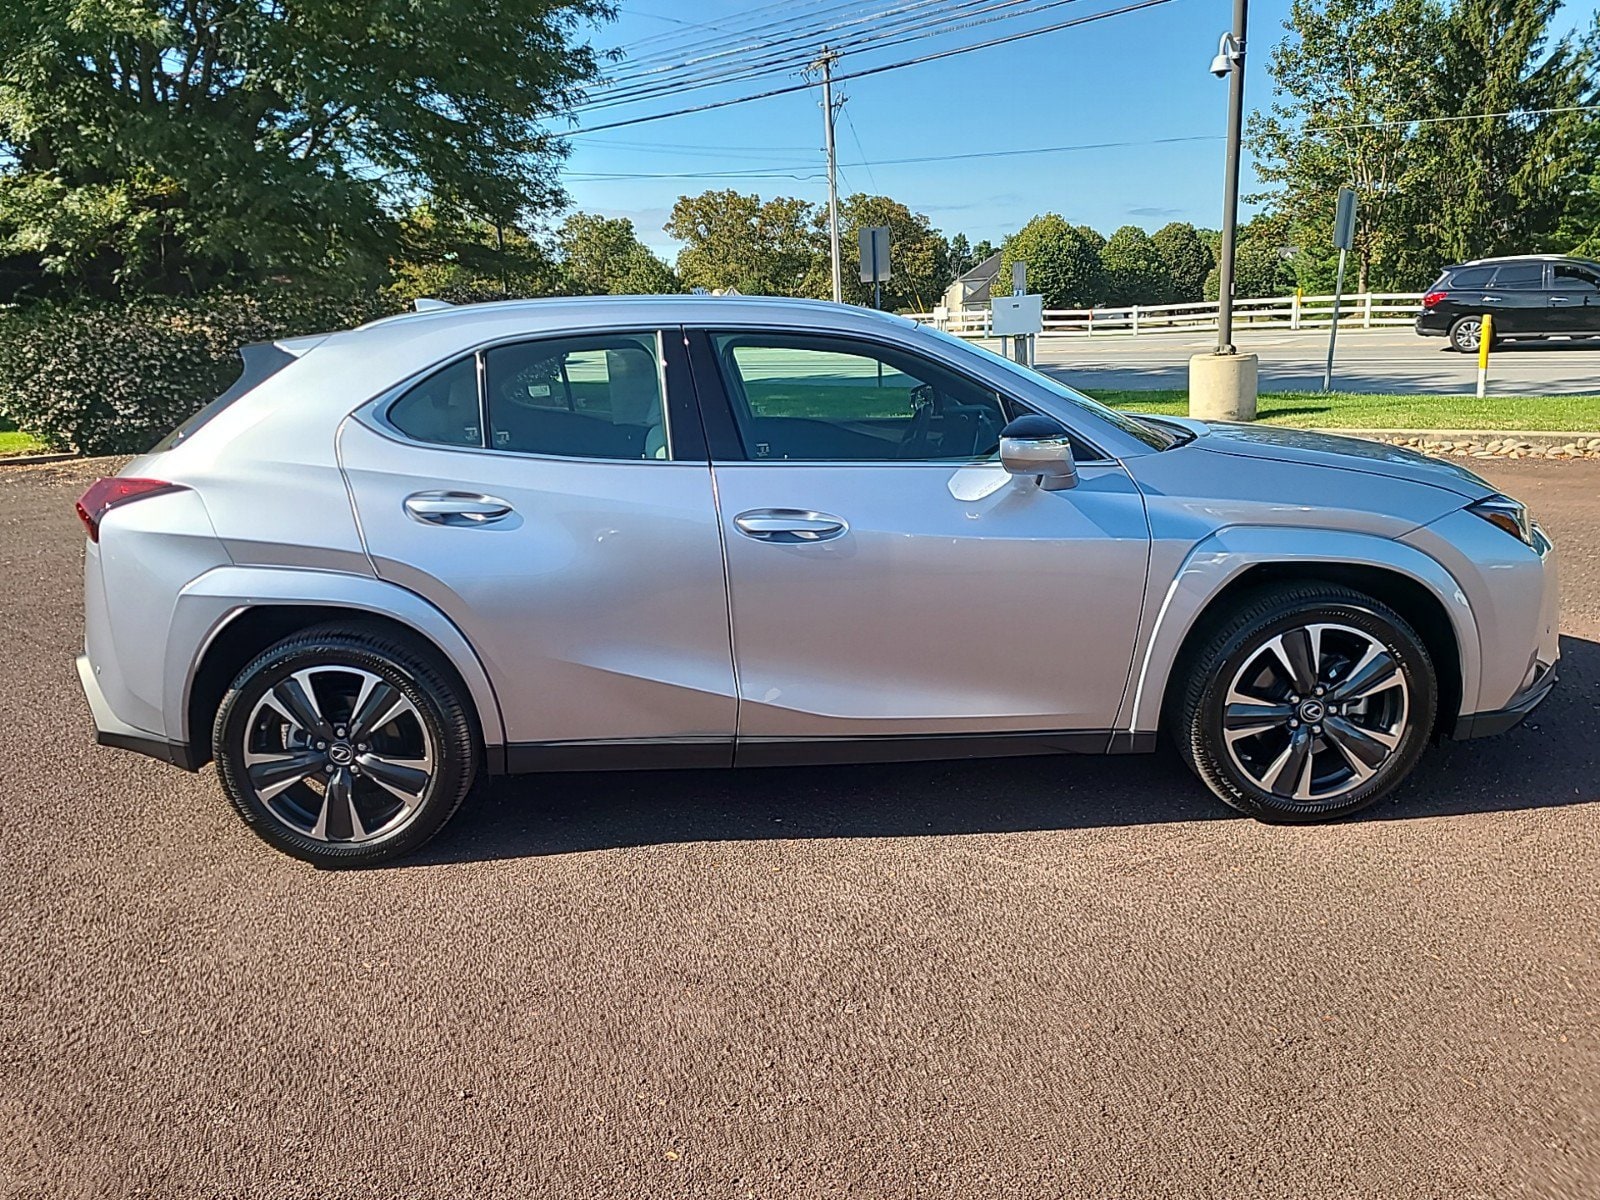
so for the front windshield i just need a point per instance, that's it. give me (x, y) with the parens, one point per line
(1158, 437)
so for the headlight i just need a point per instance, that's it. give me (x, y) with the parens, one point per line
(1510, 515)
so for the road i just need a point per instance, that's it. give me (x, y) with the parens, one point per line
(1390, 360)
(1044, 977)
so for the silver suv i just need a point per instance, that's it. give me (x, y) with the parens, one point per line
(714, 531)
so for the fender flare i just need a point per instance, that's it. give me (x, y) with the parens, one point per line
(211, 602)
(1217, 560)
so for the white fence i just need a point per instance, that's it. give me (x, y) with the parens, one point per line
(1365, 310)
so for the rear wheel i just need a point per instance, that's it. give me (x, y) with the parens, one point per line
(344, 748)
(1466, 334)
(1309, 704)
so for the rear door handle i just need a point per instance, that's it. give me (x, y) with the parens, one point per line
(1560, 299)
(1491, 300)
(789, 525)
(460, 509)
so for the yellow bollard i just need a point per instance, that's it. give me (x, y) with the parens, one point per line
(1485, 335)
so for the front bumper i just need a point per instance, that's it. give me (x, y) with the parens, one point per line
(109, 731)
(1488, 724)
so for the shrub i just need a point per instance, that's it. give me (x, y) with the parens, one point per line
(114, 378)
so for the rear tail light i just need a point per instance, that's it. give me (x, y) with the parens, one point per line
(105, 494)
(1433, 298)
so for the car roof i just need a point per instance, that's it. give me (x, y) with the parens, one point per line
(577, 312)
(1516, 258)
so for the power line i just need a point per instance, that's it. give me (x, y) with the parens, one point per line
(796, 12)
(755, 36)
(781, 171)
(861, 150)
(903, 30)
(789, 89)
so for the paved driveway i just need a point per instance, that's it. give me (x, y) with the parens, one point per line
(1390, 360)
(1030, 978)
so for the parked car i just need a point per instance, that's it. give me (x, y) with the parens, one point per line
(1530, 296)
(696, 531)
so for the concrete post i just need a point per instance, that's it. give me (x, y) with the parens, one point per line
(1222, 387)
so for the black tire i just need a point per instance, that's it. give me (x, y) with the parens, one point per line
(1464, 335)
(341, 660)
(1345, 625)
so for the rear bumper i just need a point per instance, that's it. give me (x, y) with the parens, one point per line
(1488, 724)
(109, 731)
(1430, 326)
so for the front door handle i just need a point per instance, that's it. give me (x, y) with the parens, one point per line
(789, 525)
(460, 509)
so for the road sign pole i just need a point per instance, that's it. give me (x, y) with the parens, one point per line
(1333, 330)
(1344, 236)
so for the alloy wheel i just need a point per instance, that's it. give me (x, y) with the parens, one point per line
(338, 754)
(1315, 712)
(1467, 334)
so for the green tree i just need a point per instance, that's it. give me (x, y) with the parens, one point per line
(960, 255)
(919, 256)
(1187, 259)
(1348, 78)
(981, 250)
(777, 247)
(1503, 185)
(1063, 264)
(445, 257)
(172, 145)
(1262, 262)
(602, 256)
(1135, 271)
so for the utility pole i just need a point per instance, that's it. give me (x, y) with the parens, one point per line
(824, 63)
(1230, 204)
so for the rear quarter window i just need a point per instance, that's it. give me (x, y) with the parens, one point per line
(1470, 277)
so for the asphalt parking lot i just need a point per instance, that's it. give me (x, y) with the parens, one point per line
(1026, 978)
(1378, 360)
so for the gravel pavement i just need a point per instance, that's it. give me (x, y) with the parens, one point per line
(1025, 978)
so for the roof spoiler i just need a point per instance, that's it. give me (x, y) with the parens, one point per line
(429, 304)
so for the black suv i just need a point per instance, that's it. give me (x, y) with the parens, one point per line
(1532, 295)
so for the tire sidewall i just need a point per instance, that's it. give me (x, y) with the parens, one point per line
(454, 756)
(1397, 639)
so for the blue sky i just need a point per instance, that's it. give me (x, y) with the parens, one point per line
(1134, 78)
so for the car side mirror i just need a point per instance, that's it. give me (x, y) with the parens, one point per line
(1041, 447)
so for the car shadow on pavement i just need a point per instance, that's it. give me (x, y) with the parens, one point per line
(1551, 761)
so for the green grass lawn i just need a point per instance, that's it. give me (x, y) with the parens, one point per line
(13, 442)
(1355, 410)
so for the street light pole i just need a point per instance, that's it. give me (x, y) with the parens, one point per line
(824, 63)
(1230, 205)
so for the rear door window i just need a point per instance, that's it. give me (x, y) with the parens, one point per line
(582, 397)
(1520, 277)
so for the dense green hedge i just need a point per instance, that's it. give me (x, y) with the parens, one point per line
(113, 379)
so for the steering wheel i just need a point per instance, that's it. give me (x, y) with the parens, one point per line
(914, 440)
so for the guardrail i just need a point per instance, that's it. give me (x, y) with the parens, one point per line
(1363, 310)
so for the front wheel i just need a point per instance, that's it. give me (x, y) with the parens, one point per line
(1309, 704)
(344, 747)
